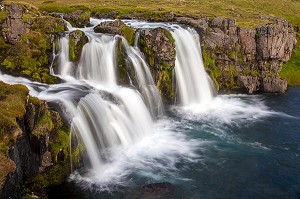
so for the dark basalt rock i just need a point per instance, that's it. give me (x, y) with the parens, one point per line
(162, 190)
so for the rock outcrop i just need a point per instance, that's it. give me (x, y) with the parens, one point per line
(240, 58)
(78, 18)
(77, 39)
(26, 42)
(116, 27)
(14, 26)
(34, 144)
(158, 47)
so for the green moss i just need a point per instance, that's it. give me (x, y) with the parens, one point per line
(75, 49)
(44, 125)
(3, 15)
(149, 54)
(12, 106)
(291, 69)
(29, 57)
(214, 71)
(122, 69)
(54, 175)
(129, 34)
(164, 83)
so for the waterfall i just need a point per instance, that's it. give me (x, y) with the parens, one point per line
(144, 79)
(193, 85)
(108, 126)
(97, 62)
(110, 117)
(64, 64)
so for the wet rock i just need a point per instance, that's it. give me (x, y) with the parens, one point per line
(162, 190)
(116, 27)
(158, 46)
(78, 18)
(110, 27)
(77, 39)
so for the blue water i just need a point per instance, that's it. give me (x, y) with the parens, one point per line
(240, 146)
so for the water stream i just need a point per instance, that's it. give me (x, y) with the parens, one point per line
(207, 147)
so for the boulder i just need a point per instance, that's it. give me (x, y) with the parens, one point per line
(116, 27)
(78, 18)
(158, 47)
(77, 39)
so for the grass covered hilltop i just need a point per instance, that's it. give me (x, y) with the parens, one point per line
(247, 13)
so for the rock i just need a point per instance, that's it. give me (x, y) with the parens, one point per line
(39, 152)
(14, 27)
(200, 25)
(78, 18)
(274, 85)
(256, 56)
(162, 190)
(77, 39)
(158, 46)
(248, 43)
(116, 27)
(252, 84)
(110, 27)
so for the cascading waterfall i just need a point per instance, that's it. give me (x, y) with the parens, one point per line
(191, 78)
(66, 67)
(144, 79)
(97, 62)
(114, 117)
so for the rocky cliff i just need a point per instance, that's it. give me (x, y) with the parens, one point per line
(238, 59)
(34, 144)
(26, 38)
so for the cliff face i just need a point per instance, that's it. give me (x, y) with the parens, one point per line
(245, 59)
(26, 38)
(238, 59)
(34, 143)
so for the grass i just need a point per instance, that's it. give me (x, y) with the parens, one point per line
(291, 69)
(249, 13)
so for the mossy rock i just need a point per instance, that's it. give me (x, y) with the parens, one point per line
(116, 27)
(121, 61)
(164, 82)
(77, 39)
(29, 57)
(78, 18)
(3, 15)
(12, 107)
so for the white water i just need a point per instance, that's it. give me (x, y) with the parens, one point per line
(97, 62)
(144, 79)
(191, 78)
(114, 122)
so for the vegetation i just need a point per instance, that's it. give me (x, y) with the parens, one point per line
(12, 106)
(248, 13)
(291, 69)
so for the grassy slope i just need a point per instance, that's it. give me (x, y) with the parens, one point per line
(248, 13)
